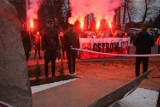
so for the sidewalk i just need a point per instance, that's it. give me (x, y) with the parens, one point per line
(78, 93)
(88, 88)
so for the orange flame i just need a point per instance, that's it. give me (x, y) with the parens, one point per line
(31, 24)
(97, 24)
(71, 21)
(82, 24)
(109, 24)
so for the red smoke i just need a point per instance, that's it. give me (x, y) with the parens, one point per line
(32, 12)
(33, 8)
(102, 9)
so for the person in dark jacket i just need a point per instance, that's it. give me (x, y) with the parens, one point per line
(50, 46)
(143, 43)
(26, 40)
(71, 40)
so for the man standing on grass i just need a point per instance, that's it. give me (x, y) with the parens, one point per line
(143, 43)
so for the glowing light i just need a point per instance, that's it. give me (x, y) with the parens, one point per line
(109, 24)
(82, 24)
(97, 24)
(71, 21)
(100, 9)
(31, 24)
(38, 33)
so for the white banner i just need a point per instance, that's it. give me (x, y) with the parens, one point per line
(93, 41)
(105, 45)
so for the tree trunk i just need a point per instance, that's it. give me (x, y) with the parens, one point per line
(129, 16)
(124, 14)
(145, 13)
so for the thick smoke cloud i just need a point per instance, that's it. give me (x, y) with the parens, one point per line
(32, 12)
(100, 8)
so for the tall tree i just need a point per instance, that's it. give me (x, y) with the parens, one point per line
(157, 21)
(52, 9)
(20, 7)
(69, 12)
(131, 9)
(128, 11)
(146, 8)
(124, 13)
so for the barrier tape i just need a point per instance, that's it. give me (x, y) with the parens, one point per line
(120, 55)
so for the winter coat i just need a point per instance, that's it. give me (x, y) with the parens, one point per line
(26, 43)
(143, 43)
(71, 39)
(50, 41)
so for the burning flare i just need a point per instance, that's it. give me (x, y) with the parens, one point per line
(109, 24)
(31, 24)
(98, 25)
(32, 12)
(100, 8)
(82, 25)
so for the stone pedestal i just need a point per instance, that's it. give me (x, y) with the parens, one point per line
(14, 85)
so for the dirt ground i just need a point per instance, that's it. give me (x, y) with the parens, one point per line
(116, 68)
(113, 69)
(122, 70)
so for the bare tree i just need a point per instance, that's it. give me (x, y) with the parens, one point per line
(52, 9)
(124, 12)
(147, 3)
(131, 11)
(128, 10)
(156, 21)
(20, 7)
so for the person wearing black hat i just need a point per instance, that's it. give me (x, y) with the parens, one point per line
(71, 40)
(143, 43)
(50, 46)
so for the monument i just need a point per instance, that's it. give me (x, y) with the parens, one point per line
(14, 84)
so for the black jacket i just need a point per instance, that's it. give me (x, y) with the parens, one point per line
(71, 39)
(50, 41)
(143, 42)
(26, 41)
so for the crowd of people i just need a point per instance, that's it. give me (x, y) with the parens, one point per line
(55, 44)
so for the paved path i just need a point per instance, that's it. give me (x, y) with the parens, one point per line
(88, 88)
(78, 93)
